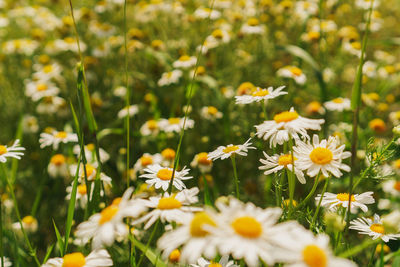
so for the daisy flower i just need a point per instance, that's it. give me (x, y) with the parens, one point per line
(314, 107)
(168, 155)
(13, 151)
(332, 201)
(275, 163)
(146, 160)
(201, 160)
(300, 248)
(260, 94)
(175, 124)
(284, 124)
(103, 227)
(252, 26)
(170, 77)
(205, 12)
(29, 223)
(55, 138)
(338, 104)
(132, 110)
(150, 127)
(91, 173)
(39, 89)
(210, 113)
(6, 262)
(392, 187)
(185, 62)
(324, 156)
(223, 262)
(374, 228)
(58, 166)
(97, 258)
(224, 152)
(194, 237)
(160, 177)
(169, 208)
(47, 72)
(294, 73)
(81, 194)
(90, 153)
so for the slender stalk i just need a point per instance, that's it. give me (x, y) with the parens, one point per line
(319, 203)
(371, 259)
(357, 249)
(311, 193)
(233, 159)
(381, 262)
(149, 242)
(127, 118)
(291, 177)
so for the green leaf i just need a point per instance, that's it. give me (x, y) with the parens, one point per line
(153, 257)
(304, 55)
(59, 240)
(86, 99)
(49, 250)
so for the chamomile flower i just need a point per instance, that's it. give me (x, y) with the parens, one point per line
(29, 223)
(373, 228)
(333, 201)
(325, 157)
(160, 177)
(185, 62)
(146, 160)
(210, 113)
(275, 163)
(6, 262)
(260, 94)
(252, 26)
(91, 173)
(132, 110)
(224, 152)
(81, 194)
(175, 124)
(39, 89)
(170, 77)
(223, 262)
(205, 12)
(201, 160)
(300, 248)
(170, 208)
(55, 138)
(90, 153)
(58, 166)
(338, 104)
(285, 124)
(97, 258)
(294, 73)
(150, 127)
(103, 227)
(47, 72)
(391, 187)
(193, 235)
(13, 151)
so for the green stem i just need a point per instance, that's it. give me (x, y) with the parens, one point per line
(291, 177)
(149, 242)
(357, 249)
(381, 262)
(371, 259)
(233, 159)
(311, 192)
(319, 204)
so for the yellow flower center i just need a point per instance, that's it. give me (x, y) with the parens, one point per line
(152, 124)
(345, 197)
(156, 43)
(247, 226)
(116, 201)
(146, 160)
(58, 159)
(397, 185)
(3, 150)
(314, 256)
(164, 174)
(41, 87)
(90, 147)
(174, 120)
(286, 116)
(377, 228)
(202, 158)
(321, 155)
(260, 93)
(212, 110)
(356, 45)
(108, 213)
(377, 125)
(253, 22)
(74, 260)
(286, 160)
(218, 34)
(197, 223)
(69, 40)
(214, 264)
(168, 153)
(245, 87)
(169, 203)
(230, 149)
(82, 190)
(47, 68)
(338, 100)
(61, 135)
(175, 255)
(184, 58)
(390, 69)
(28, 220)
(169, 74)
(314, 107)
(90, 169)
(295, 71)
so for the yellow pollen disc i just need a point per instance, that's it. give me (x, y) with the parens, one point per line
(218, 34)
(314, 106)
(164, 174)
(377, 228)
(285, 160)
(321, 155)
(169, 74)
(314, 256)
(69, 40)
(184, 58)
(90, 170)
(247, 226)
(390, 69)
(116, 201)
(82, 189)
(175, 255)
(28, 220)
(253, 22)
(41, 87)
(230, 149)
(397, 186)
(260, 93)
(356, 45)
(61, 135)
(245, 87)
(197, 223)
(74, 260)
(146, 160)
(174, 120)
(345, 197)
(152, 124)
(202, 158)
(214, 264)
(286, 116)
(338, 100)
(58, 159)
(377, 125)
(3, 150)
(212, 110)
(90, 147)
(295, 71)
(168, 153)
(108, 213)
(48, 68)
(169, 203)
(156, 43)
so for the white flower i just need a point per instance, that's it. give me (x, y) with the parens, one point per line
(53, 104)
(185, 62)
(369, 69)
(47, 72)
(392, 187)
(366, 4)
(353, 48)
(90, 153)
(204, 13)
(333, 201)
(91, 173)
(146, 160)
(175, 124)
(29, 223)
(395, 117)
(338, 104)
(30, 124)
(58, 166)
(252, 26)
(210, 113)
(300, 248)
(170, 208)
(223, 262)
(260, 94)
(132, 110)
(11, 152)
(170, 77)
(224, 152)
(7, 262)
(103, 227)
(39, 89)
(81, 194)
(304, 9)
(325, 157)
(293, 73)
(373, 228)
(275, 163)
(160, 177)
(201, 160)
(55, 138)
(97, 258)
(284, 124)
(150, 127)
